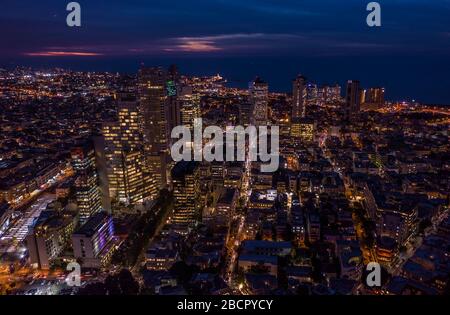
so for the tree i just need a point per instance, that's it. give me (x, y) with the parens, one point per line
(423, 225)
(122, 283)
(183, 272)
(402, 249)
(128, 285)
(97, 288)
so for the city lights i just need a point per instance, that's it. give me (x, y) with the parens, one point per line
(317, 163)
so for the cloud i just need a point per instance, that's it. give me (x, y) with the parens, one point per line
(194, 45)
(61, 54)
(224, 37)
(233, 43)
(221, 42)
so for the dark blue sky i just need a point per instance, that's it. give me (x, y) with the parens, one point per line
(327, 40)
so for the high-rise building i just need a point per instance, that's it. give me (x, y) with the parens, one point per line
(87, 189)
(113, 156)
(398, 224)
(302, 130)
(189, 105)
(102, 170)
(93, 243)
(259, 97)
(328, 94)
(48, 237)
(127, 129)
(331, 94)
(313, 226)
(312, 94)
(299, 97)
(153, 90)
(218, 173)
(186, 188)
(245, 113)
(129, 182)
(152, 83)
(133, 177)
(375, 95)
(353, 98)
(372, 98)
(173, 90)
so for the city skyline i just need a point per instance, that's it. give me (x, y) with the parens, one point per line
(323, 39)
(358, 182)
(210, 148)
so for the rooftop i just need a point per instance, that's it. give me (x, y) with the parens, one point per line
(93, 224)
(183, 168)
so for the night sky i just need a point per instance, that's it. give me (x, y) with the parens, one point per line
(328, 41)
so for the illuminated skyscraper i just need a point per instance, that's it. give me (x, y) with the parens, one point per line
(133, 177)
(353, 98)
(129, 136)
(245, 113)
(259, 97)
(372, 98)
(113, 154)
(153, 90)
(331, 94)
(189, 105)
(312, 93)
(186, 189)
(302, 130)
(102, 170)
(173, 91)
(152, 102)
(128, 180)
(87, 189)
(299, 97)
